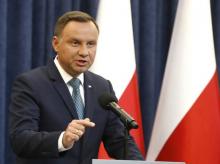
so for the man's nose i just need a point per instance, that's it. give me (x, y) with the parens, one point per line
(83, 50)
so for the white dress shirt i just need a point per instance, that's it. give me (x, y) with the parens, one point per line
(67, 77)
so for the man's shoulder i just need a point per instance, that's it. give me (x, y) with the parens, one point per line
(33, 71)
(97, 81)
(33, 74)
(39, 70)
(94, 76)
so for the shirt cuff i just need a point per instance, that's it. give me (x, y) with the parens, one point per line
(61, 148)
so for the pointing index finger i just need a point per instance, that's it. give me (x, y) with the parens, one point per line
(86, 122)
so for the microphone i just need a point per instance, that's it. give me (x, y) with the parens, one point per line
(109, 102)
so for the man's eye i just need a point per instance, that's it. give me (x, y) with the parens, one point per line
(75, 43)
(91, 44)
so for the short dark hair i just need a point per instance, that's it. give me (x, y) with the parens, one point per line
(77, 16)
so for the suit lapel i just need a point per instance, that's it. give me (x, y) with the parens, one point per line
(61, 88)
(89, 96)
(65, 95)
(63, 91)
(89, 107)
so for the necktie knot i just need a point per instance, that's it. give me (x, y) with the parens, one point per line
(75, 83)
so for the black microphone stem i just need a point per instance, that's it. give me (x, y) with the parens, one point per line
(126, 135)
(109, 102)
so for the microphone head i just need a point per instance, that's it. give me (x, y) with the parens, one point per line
(106, 98)
(109, 102)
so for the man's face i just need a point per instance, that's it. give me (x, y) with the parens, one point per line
(76, 47)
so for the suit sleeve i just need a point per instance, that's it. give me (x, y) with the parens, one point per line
(24, 117)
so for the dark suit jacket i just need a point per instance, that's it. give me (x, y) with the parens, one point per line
(41, 108)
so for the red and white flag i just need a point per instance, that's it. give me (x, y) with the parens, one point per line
(187, 123)
(115, 59)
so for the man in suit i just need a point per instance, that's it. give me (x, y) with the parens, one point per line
(45, 124)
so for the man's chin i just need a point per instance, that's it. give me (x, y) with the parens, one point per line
(81, 70)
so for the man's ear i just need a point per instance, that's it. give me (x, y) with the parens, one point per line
(55, 43)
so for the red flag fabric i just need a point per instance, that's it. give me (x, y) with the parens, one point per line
(187, 123)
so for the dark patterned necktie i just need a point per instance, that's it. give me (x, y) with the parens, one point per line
(77, 99)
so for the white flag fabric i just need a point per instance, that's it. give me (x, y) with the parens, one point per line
(187, 123)
(115, 58)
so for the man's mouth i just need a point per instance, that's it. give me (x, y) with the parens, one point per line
(81, 62)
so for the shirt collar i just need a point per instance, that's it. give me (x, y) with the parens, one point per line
(66, 76)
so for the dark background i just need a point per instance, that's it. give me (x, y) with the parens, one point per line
(26, 28)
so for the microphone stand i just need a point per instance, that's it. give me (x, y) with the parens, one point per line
(127, 127)
(126, 135)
